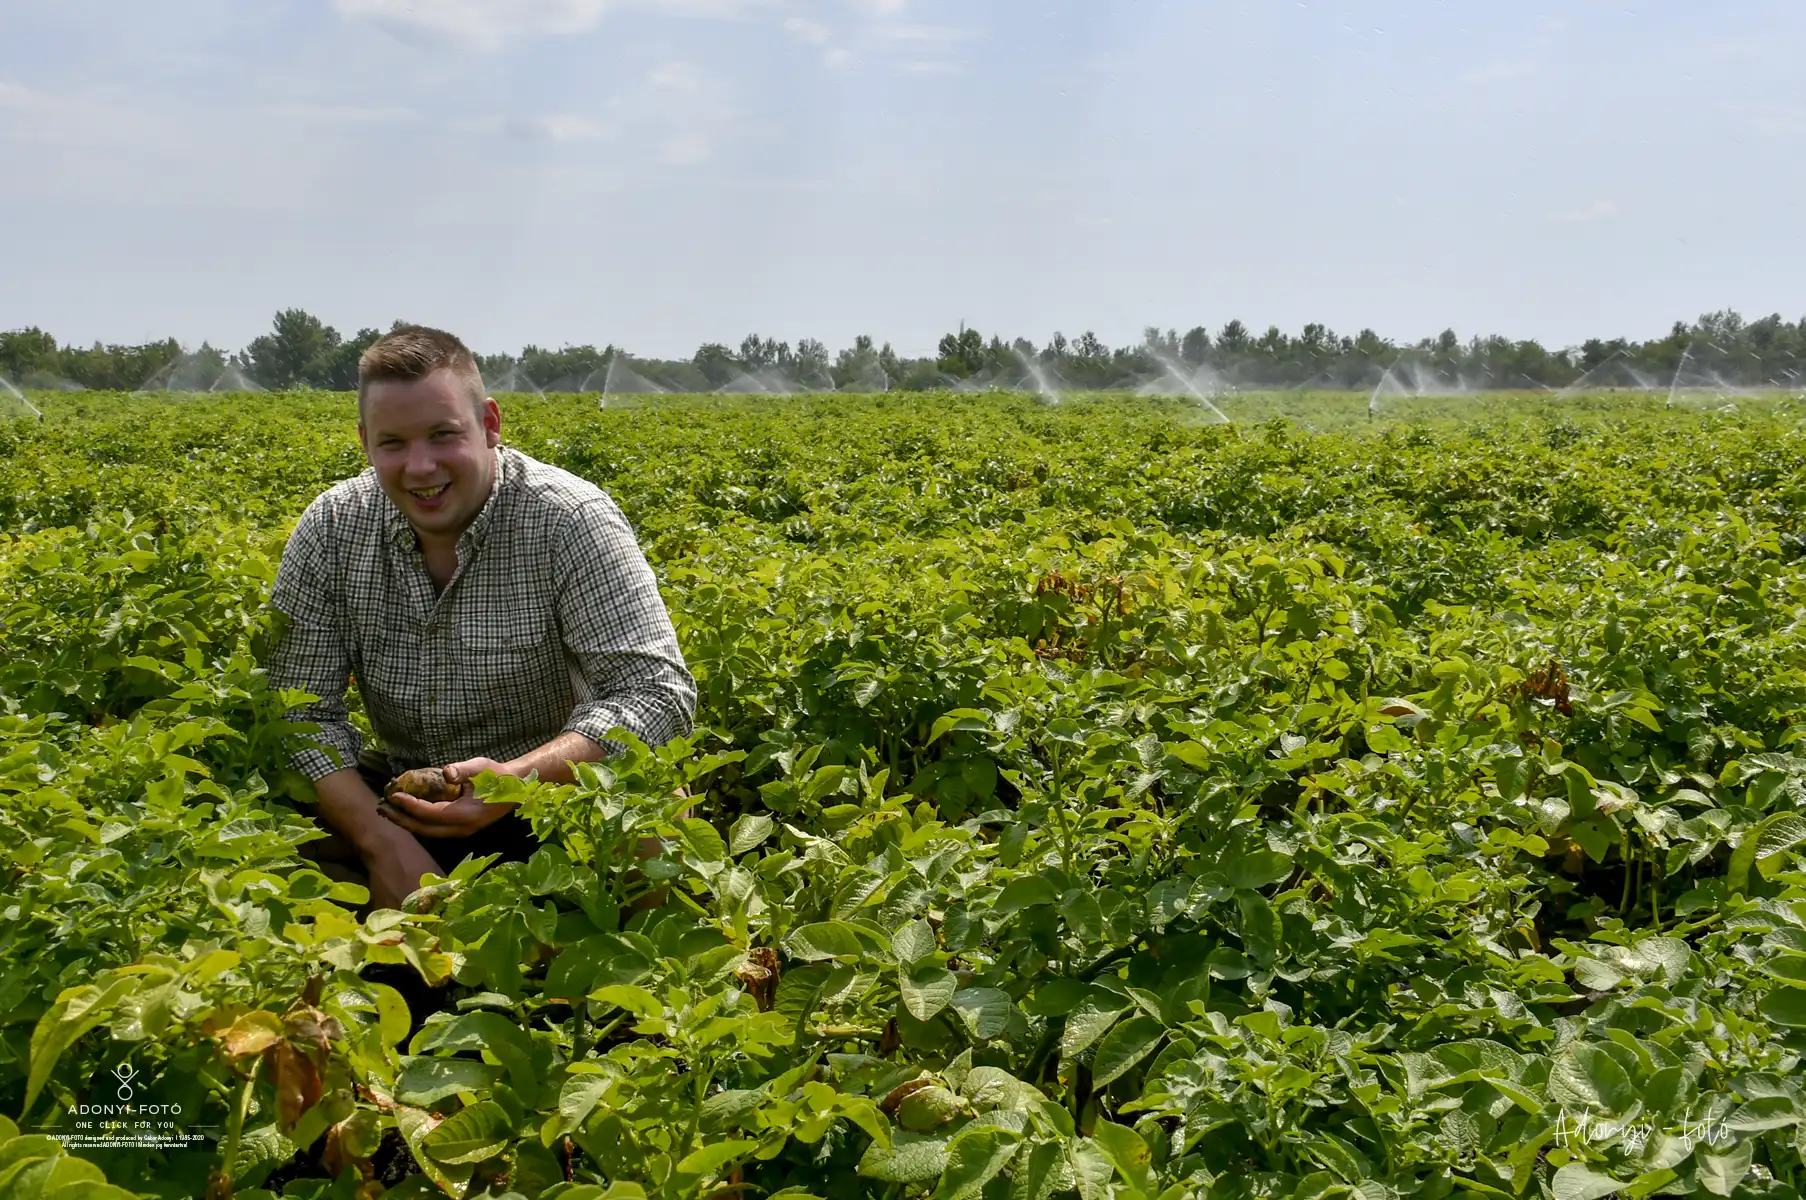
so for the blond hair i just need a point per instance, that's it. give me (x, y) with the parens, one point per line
(414, 352)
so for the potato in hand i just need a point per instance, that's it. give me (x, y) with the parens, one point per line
(425, 783)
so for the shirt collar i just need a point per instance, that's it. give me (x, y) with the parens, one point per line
(402, 533)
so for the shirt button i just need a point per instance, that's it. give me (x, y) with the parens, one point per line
(432, 698)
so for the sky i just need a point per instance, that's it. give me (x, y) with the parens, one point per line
(659, 173)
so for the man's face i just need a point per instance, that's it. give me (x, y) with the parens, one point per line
(431, 449)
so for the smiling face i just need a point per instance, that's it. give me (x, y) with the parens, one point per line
(432, 448)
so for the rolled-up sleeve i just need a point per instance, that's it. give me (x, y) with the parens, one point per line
(311, 654)
(618, 633)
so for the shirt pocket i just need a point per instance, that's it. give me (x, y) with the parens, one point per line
(512, 665)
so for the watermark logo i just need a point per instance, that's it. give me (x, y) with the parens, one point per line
(1579, 1129)
(121, 1110)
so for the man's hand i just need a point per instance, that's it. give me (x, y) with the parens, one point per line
(395, 864)
(451, 818)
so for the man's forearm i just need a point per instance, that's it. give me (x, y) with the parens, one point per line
(349, 806)
(553, 760)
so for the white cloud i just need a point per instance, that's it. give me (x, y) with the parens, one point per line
(1501, 72)
(936, 35)
(810, 33)
(1598, 210)
(838, 58)
(932, 67)
(721, 9)
(556, 127)
(1736, 49)
(678, 76)
(686, 150)
(17, 95)
(880, 8)
(347, 114)
(481, 24)
(1769, 120)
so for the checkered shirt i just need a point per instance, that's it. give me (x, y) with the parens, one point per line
(553, 622)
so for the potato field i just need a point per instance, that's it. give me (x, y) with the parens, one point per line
(1087, 800)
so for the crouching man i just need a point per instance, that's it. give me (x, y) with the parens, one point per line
(496, 612)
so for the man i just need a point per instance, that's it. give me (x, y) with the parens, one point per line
(496, 612)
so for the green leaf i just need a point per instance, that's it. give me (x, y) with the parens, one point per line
(1778, 836)
(1669, 1091)
(1056, 997)
(910, 1158)
(578, 1098)
(708, 1160)
(1258, 869)
(471, 1135)
(913, 942)
(1026, 892)
(1512, 775)
(635, 999)
(1086, 1023)
(1124, 1046)
(1778, 832)
(927, 1108)
(1786, 1006)
(986, 1011)
(749, 831)
(1261, 930)
(702, 840)
(972, 1161)
(1577, 1181)
(1764, 1113)
(926, 990)
(824, 939)
(1586, 1077)
(1721, 1173)
(549, 870)
(393, 1019)
(1127, 1152)
(490, 1031)
(425, 1081)
(961, 720)
(76, 1011)
(1036, 1171)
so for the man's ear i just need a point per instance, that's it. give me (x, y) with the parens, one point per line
(492, 422)
(363, 439)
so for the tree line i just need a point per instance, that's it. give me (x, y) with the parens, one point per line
(302, 351)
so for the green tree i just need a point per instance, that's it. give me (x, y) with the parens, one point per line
(717, 363)
(962, 354)
(25, 351)
(294, 352)
(337, 370)
(812, 367)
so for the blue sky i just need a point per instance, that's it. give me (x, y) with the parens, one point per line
(656, 173)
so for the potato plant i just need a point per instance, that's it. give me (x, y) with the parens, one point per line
(1084, 802)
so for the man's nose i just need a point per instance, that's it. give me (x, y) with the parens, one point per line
(421, 460)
